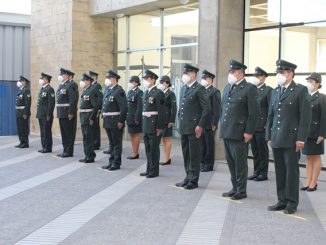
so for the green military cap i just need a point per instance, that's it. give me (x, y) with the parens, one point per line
(70, 73)
(260, 72)
(112, 74)
(86, 77)
(93, 73)
(21, 78)
(190, 68)
(236, 65)
(315, 76)
(166, 79)
(135, 79)
(149, 73)
(206, 73)
(283, 65)
(43, 75)
(63, 71)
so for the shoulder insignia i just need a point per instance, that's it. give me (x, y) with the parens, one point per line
(28, 95)
(52, 95)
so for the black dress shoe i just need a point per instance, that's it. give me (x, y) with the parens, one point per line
(59, 154)
(89, 161)
(46, 151)
(24, 146)
(277, 207)
(143, 174)
(304, 188)
(239, 196)
(252, 177)
(261, 178)
(206, 169)
(107, 166)
(64, 155)
(41, 150)
(149, 176)
(289, 210)
(133, 157)
(182, 184)
(168, 162)
(229, 193)
(191, 186)
(312, 189)
(18, 146)
(82, 160)
(113, 168)
(107, 152)
(96, 148)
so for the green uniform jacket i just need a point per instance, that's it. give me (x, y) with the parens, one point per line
(66, 94)
(214, 96)
(240, 110)
(114, 101)
(23, 100)
(318, 118)
(135, 106)
(46, 102)
(170, 105)
(89, 100)
(289, 116)
(98, 89)
(264, 93)
(153, 101)
(194, 108)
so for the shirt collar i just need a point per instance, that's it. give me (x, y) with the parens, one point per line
(260, 85)
(167, 89)
(44, 86)
(151, 88)
(190, 85)
(209, 86)
(314, 93)
(113, 86)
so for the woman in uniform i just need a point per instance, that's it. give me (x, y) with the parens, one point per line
(134, 115)
(314, 147)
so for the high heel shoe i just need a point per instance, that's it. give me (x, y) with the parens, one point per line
(312, 189)
(304, 188)
(168, 162)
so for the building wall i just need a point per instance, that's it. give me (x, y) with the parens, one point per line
(64, 35)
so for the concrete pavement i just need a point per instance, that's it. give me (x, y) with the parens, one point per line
(48, 200)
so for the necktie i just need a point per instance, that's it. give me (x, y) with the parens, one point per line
(232, 87)
(283, 90)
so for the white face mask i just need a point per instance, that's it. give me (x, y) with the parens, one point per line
(232, 79)
(146, 84)
(161, 86)
(280, 79)
(310, 87)
(41, 82)
(204, 82)
(107, 82)
(186, 79)
(255, 81)
(19, 84)
(60, 78)
(82, 84)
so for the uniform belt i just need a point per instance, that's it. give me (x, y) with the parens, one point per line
(114, 113)
(63, 105)
(20, 107)
(85, 110)
(150, 113)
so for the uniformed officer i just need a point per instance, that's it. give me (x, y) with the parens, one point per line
(258, 143)
(208, 151)
(153, 123)
(287, 129)
(89, 107)
(98, 88)
(23, 111)
(240, 110)
(44, 113)
(75, 88)
(134, 115)
(114, 110)
(194, 116)
(66, 112)
(314, 147)
(170, 105)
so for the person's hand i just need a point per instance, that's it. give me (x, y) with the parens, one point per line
(213, 127)
(70, 116)
(158, 131)
(198, 131)
(120, 125)
(247, 137)
(269, 142)
(25, 117)
(319, 140)
(91, 122)
(298, 146)
(170, 125)
(48, 118)
(136, 122)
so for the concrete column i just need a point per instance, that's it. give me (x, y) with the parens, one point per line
(64, 35)
(220, 39)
